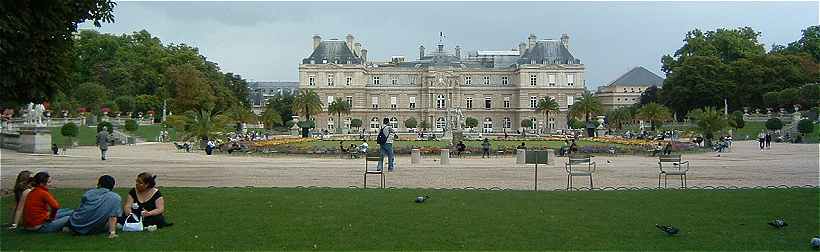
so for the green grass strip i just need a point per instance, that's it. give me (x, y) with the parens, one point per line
(373, 219)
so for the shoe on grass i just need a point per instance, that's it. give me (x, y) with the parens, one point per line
(151, 228)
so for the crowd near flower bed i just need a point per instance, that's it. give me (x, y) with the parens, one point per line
(296, 145)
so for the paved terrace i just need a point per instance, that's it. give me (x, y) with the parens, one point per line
(744, 165)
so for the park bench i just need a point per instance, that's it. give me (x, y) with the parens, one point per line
(372, 158)
(679, 168)
(580, 166)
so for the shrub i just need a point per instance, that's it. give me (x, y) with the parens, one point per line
(354, 123)
(131, 125)
(774, 124)
(70, 130)
(805, 126)
(526, 123)
(471, 122)
(410, 123)
(576, 124)
(107, 125)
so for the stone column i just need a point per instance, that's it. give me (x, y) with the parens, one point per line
(445, 156)
(415, 156)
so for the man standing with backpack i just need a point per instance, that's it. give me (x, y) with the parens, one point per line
(385, 141)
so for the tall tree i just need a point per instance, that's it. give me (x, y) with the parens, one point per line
(727, 45)
(307, 103)
(649, 95)
(92, 96)
(271, 117)
(338, 107)
(545, 106)
(586, 107)
(192, 92)
(618, 117)
(655, 114)
(36, 44)
(700, 81)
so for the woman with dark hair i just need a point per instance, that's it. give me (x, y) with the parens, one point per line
(98, 210)
(42, 212)
(151, 204)
(22, 186)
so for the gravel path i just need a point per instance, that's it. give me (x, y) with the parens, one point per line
(745, 165)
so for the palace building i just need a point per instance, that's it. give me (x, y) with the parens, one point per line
(499, 88)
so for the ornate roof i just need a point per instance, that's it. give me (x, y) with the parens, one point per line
(332, 51)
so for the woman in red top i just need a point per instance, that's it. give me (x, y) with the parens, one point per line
(42, 212)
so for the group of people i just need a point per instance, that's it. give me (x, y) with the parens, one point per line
(662, 149)
(764, 138)
(485, 148)
(101, 210)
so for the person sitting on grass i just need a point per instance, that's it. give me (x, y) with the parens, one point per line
(658, 150)
(42, 213)
(98, 210)
(150, 201)
(22, 187)
(522, 146)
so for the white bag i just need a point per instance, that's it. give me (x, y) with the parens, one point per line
(133, 223)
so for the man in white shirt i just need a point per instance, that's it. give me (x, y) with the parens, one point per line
(387, 147)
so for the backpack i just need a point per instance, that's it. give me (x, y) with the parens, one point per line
(382, 138)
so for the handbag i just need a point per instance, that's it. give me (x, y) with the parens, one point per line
(133, 223)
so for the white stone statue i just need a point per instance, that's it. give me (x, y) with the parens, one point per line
(30, 113)
(38, 113)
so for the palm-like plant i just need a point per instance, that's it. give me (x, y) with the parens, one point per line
(338, 107)
(655, 114)
(708, 121)
(545, 106)
(202, 124)
(618, 117)
(307, 103)
(271, 117)
(587, 107)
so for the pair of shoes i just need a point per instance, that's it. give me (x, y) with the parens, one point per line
(151, 228)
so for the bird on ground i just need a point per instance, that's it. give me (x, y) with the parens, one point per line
(421, 199)
(670, 230)
(778, 223)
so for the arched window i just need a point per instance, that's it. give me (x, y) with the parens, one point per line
(394, 123)
(440, 123)
(507, 123)
(488, 125)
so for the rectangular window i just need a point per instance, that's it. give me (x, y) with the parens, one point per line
(570, 100)
(533, 80)
(312, 80)
(552, 79)
(533, 101)
(413, 80)
(412, 102)
(348, 80)
(570, 79)
(505, 80)
(329, 80)
(395, 80)
(507, 102)
(376, 80)
(349, 101)
(329, 100)
(393, 102)
(374, 102)
(468, 103)
(488, 102)
(468, 80)
(486, 80)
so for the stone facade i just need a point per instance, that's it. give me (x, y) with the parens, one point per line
(439, 86)
(627, 89)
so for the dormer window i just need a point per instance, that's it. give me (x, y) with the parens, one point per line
(324, 61)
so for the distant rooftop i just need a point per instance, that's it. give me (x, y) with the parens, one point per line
(638, 76)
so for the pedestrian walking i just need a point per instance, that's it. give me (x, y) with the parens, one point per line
(102, 141)
(768, 140)
(485, 148)
(761, 139)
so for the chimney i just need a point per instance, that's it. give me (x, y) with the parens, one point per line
(349, 40)
(364, 56)
(458, 52)
(522, 48)
(565, 40)
(531, 41)
(421, 51)
(357, 48)
(316, 40)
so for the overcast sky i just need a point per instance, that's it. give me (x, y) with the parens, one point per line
(265, 41)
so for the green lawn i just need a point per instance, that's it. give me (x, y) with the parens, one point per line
(87, 136)
(404, 147)
(150, 133)
(749, 131)
(357, 219)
